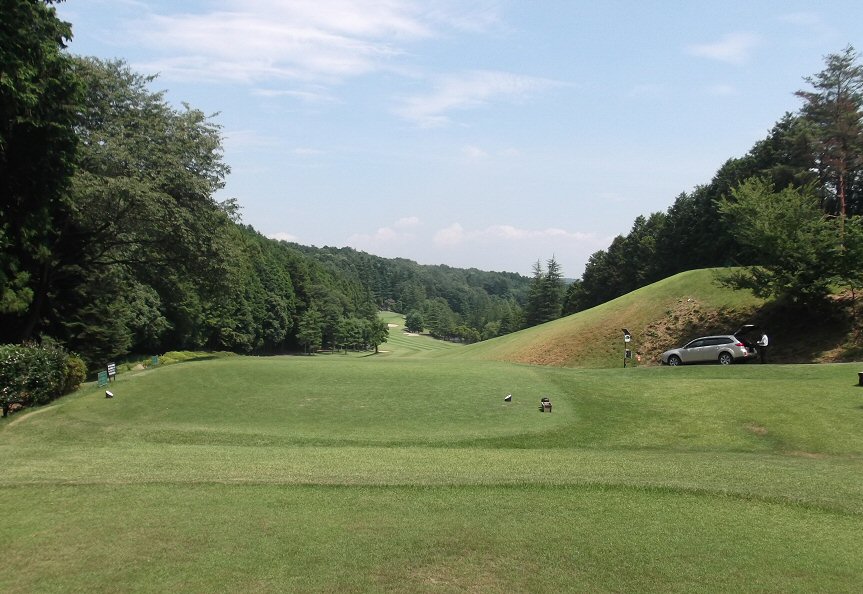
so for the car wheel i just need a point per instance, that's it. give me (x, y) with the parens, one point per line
(725, 359)
(674, 360)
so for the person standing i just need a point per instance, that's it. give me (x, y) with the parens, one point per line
(762, 347)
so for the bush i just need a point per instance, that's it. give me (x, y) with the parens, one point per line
(36, 374)
(76, 373)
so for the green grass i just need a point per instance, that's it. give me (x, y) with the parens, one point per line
(395, 473)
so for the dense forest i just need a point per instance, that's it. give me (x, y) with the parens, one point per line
(111, 241)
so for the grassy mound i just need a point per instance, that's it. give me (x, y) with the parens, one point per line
(671, 312)
(659, 316)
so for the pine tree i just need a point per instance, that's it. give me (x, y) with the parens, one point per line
(552, 291)
(533, 309)
(835, 110)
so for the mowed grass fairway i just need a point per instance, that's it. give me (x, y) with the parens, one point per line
(392, 473)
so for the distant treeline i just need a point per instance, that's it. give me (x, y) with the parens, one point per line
(455, 303)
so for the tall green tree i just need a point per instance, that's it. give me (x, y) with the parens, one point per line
(142, 200)
(39, 98)
(797, 244)
(533, 308)
(414, 321)
(834, 110)
(545, 299)
(376, 333)
(439, 318)
(574, 298)
(552, 290)
(310, 332)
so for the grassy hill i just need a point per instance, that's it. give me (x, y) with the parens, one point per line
(667, 314)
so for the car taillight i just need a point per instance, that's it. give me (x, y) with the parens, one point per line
(739, 344)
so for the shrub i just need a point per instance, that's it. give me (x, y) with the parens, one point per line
(36, 374)
(76, 373)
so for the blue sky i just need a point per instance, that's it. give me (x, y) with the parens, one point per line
(487, 134)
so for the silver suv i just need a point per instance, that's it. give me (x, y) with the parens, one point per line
(725, 350)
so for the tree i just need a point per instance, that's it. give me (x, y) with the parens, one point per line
(834, 110)
(552, 291)
(490, 330)
(850, 258)
(414, 322)
(376, 332)
(796, 243)
(351, 332)
(467, 334)
(573, 298)
(439, 317)
(310, 333)
(533, 309)
(39, 96)
(544, 302)
(142, 201)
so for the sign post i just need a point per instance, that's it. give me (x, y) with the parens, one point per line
(627, 354)
(112, 371)
(103, 378)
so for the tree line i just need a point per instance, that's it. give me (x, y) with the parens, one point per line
(789, 212)
(449, 303)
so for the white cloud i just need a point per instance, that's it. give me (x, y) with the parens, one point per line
(307, 96)
(407, 222)
(469, 90)
(452, 235)
(484, 247)
(324, 41)
(734, 48)
(455, 235)
(282, 236)
(395, 234)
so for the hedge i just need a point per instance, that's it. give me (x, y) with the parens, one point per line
(36, 374)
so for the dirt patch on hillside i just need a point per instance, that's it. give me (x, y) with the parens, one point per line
(684, 320)
(797, 335)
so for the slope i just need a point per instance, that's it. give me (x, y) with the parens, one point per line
(659, 316)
